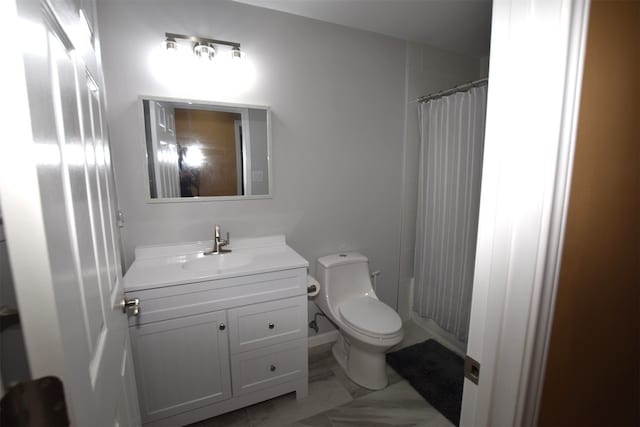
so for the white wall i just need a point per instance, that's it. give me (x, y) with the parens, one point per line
(428, 70)
(338, 105)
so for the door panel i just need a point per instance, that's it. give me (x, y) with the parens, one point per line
(107, 192)
(85, 86)
(63, 84)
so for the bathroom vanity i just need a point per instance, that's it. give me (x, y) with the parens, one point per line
(214, 333)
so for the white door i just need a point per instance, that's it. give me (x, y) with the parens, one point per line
(59, 203)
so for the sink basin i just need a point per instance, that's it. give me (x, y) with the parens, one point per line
(156, 266)
(217, 263)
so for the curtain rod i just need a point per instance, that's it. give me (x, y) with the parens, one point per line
(460, 88)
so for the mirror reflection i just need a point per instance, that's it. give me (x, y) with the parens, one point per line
(197, 150)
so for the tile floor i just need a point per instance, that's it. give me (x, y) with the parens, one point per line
(334, 400)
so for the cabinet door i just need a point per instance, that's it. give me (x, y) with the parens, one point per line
(181, 364)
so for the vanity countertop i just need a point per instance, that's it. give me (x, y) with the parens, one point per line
(167, 265)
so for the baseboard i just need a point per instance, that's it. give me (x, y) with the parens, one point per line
(325, 338)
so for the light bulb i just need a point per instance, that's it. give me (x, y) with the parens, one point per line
(204, 51)
(170, 45)
(236, 53)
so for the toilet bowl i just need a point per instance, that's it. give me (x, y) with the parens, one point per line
(368, 327)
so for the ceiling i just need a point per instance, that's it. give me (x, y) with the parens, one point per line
(461, 26)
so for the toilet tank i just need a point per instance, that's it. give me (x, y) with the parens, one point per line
(343, 275)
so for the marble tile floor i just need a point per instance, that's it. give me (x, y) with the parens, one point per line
(397, 405)
(335, 401)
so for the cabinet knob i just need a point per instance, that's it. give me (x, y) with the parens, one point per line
(272, 368)
(271, 325)
(222, 327)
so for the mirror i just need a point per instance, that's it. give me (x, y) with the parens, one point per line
(206, 151)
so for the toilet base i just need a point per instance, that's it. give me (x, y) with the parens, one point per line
(364, 367)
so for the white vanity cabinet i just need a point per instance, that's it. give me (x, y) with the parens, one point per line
(181, 364)
(215, 342)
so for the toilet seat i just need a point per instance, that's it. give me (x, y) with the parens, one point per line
(370, 316)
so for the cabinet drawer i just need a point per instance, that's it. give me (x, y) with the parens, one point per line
(261, 325)
(177, 301)
(266, 367)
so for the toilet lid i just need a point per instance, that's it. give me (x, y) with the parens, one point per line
(370, 316)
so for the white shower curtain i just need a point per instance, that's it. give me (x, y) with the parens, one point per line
(452, 139)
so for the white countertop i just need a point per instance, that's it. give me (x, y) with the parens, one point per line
(164, 265)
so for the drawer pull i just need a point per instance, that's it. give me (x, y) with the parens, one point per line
(271, 325)
(222, 327)
(272, 368)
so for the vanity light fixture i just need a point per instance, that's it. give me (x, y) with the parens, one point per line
(202, 47)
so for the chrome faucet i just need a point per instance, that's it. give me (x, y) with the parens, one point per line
(218, 243)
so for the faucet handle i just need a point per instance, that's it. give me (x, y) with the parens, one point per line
(216, 230)
(225, 242)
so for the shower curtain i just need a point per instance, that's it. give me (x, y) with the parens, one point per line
(452, 139)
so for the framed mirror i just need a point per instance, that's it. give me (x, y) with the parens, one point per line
(200, 151)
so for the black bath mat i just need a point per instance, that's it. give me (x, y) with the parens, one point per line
(435, 372)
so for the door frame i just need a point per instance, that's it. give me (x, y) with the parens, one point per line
(537, 55)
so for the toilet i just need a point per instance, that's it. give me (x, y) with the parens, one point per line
(368, 327)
